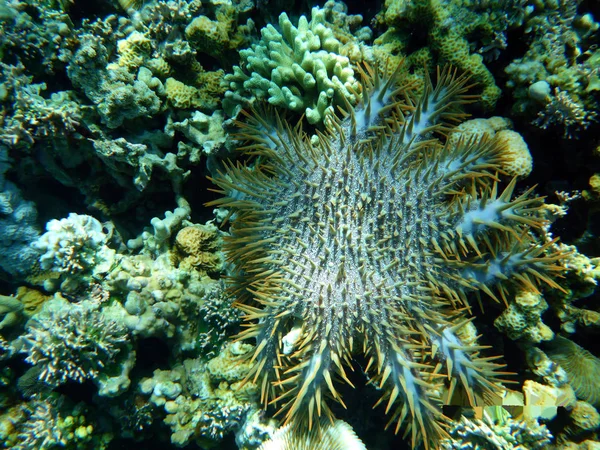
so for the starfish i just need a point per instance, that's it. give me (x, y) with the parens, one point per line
(369, 238)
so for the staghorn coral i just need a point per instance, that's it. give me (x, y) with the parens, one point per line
(367, 239)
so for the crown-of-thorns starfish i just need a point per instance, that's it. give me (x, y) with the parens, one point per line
(368, 238)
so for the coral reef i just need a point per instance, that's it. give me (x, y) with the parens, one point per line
(204, 401)
(47, 424)
(450, 27)
(522, 318)
(364, 225)
(370, 237)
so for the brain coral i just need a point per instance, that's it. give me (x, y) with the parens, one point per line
(367, 239)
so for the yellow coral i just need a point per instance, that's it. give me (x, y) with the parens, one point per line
(32, 299)
(133, 50)
(159, 67)
(516, 159)
(210, 35)
(594, 183)
(181, 95)
(230, 365)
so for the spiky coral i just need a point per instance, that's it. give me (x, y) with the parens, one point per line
(368, 239)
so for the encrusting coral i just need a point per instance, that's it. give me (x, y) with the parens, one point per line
(367, 239)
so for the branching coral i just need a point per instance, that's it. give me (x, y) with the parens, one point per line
(49, 423)
(367, 239)
(299, 68)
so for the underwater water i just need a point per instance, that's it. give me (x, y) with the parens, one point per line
(238, 224)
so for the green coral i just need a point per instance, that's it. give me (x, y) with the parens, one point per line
(298, 68)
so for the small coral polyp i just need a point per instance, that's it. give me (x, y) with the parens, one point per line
(369, 238)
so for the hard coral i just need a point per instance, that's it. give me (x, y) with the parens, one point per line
(75, 342)
(581, 366)
(299, 68)
(504, 435)
(368, 238)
